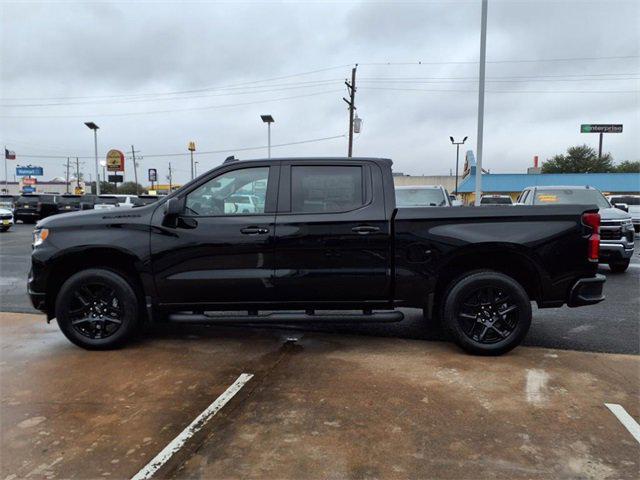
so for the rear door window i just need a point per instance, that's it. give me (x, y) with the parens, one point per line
(326, 189)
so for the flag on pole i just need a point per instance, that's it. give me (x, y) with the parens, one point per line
(9, 154)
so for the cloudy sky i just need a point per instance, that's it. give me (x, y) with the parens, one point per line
(158, 74)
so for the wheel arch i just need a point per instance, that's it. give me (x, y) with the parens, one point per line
(108, 258)
(506, 259)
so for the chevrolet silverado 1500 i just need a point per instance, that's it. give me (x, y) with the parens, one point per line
(325, 239)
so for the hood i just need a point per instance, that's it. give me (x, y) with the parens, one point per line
(84, 218)
(613, 214)
(4, 211)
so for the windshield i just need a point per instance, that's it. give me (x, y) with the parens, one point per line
(628, 199)
(420, 197)
(495, 201)
(570, 196)
(69, 201)
(27, 201)
(107, 200)
(146, 200)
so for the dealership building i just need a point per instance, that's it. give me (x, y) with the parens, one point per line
(513, 183)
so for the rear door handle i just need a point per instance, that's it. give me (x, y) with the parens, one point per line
(254, 230)
(365, 229)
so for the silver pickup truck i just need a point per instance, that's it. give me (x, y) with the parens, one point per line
(616, 227)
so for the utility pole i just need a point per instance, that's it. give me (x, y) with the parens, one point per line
(352, 106)
(170, 178)
(67, 175)
(77, 172)
(135, 168)
(483, 58)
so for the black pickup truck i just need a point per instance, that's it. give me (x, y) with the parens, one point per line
(318, 239)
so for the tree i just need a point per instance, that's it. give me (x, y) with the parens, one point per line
(628, 167)
(131, 188)
(579, 159)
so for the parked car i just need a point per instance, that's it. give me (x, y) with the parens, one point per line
(105, 202)
(146, 200)
(69, 203)
(422, 196)
(47, 205)
(328, 239)
(630, 204)
(6, 219)
(616, 227)
(7, 201)
(496, 200)
(26, 208)
(239, 203)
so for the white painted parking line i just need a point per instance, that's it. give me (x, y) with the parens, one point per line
(626, 419)
(201, 420)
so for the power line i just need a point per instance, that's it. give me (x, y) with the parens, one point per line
(320, 70)
(189, 109)
(238, 149)
(318, 83)
(561, 75)
(497, 91)
(440, 81)
(533, 60)
(179, 92)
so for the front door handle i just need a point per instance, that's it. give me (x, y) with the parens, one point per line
(365, 229)
(254, 230)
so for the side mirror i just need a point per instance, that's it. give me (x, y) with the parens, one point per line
(172, 210)
(622, 206)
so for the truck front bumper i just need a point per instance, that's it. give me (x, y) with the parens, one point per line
(587, 291)
(615, 251)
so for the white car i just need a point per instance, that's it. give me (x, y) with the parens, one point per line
(238, 203)
(422, 196)
(6, 219)
(632, 205)
(496, 200)
(105, 202)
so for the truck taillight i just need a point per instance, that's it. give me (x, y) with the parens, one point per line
(593, 220)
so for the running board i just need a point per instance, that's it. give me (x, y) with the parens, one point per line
(289, 317)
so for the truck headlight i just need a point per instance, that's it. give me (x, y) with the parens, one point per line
(39, 236)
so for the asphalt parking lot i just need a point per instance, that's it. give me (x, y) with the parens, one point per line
(361, 402)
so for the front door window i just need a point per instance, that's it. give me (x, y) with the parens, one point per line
(239, 192)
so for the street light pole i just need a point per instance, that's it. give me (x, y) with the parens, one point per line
(483, 58)
(268, 119)
(457, 144)
(95, 127)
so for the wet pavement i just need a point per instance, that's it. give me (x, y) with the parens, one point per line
(318, 406)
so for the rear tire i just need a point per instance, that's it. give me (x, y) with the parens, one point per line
(486, 312)
(97, 309)
(620, 266)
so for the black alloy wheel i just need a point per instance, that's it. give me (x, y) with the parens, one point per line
(487, 315)
(95, 311)
(98, 309)
(486, 312)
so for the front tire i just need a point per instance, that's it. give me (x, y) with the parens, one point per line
(97, 309)
(620, 266)
(486, 312)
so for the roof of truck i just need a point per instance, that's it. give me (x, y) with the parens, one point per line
(315, 159)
